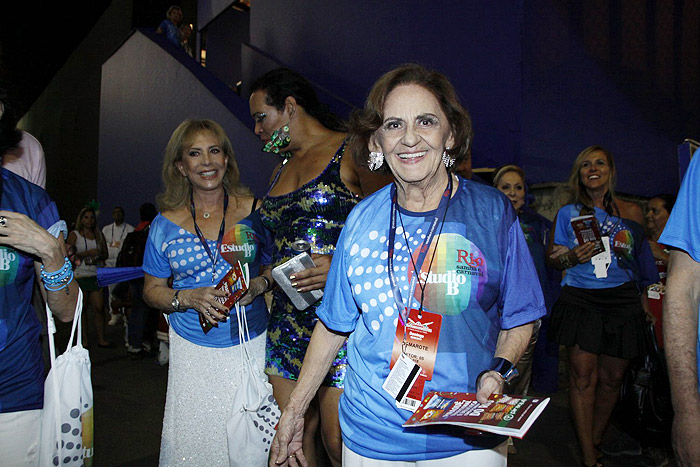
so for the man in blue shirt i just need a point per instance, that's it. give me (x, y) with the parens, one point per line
(681, 308)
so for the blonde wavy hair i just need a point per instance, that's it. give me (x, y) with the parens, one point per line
(577, 191)
(176, 188)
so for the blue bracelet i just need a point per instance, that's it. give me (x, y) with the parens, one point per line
(58, 280)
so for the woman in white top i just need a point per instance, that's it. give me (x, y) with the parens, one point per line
(91, 251)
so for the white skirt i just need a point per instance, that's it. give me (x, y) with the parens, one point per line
(201, 381)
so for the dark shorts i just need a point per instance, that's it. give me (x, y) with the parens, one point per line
(88, 284)
(607, 321)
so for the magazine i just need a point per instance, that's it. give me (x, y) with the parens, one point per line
(586, 229)
(502, 414)
(234, 283)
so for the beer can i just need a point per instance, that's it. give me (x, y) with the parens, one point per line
(300, 245)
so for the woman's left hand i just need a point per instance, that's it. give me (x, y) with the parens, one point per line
(22, 233)
(313, 278)
(256, 287)
(489, 384)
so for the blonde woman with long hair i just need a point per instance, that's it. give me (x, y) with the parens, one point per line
(600, 313)
(208, 222)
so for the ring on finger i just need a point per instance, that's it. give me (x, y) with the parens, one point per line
(292, 456)
(3, 221)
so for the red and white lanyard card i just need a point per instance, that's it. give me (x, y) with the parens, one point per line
(413, 358)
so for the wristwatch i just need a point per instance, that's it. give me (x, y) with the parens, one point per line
(505, 369)
(176, 301)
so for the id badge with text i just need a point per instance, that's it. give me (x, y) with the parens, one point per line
(418, 341)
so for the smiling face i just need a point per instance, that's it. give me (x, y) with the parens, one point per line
(203, 162)
(513, 186)
(413, 136)
(657, 215)
(267, 117)
(595, 172)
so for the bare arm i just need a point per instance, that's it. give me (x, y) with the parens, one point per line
(680, 336)
(323, 348)
(511, 345)
(22, 233)
(102, 251)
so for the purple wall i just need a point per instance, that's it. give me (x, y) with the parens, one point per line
(345, 46)
(146, 92)
(572, 101)
(536, 94)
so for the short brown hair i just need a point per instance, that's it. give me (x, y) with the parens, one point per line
(364, 122)
(176, 188)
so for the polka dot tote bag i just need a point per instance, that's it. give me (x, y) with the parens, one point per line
(67, 417)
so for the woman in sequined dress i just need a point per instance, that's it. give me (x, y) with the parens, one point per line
(208, 223)
(311, 193)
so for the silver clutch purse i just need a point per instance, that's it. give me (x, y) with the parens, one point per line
(281, 275)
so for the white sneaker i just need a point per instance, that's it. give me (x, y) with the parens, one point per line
(114, 320)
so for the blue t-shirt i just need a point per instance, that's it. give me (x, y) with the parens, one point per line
(170, 31)
(21, 363)
(172, 250)
(682, 230)
(482, 280)
(632, 260)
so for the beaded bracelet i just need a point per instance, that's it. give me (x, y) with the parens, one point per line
(58, 280)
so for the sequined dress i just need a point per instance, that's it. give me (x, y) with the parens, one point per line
(315, 212)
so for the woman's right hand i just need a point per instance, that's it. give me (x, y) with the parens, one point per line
(204, 301)
(583, 253)
(286, 445)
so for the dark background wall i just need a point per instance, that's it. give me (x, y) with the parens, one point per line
(65, 117)
(224, 36)
(139, 112)
(345, 46)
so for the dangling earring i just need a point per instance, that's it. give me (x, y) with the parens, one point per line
(448, 160)
(376, 159)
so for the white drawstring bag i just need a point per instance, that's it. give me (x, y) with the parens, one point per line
(67, 417)
(252, 424)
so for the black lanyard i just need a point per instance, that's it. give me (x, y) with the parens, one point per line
(440, 214)
(215, 257)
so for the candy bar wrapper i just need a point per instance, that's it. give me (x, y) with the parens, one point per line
(233, 283)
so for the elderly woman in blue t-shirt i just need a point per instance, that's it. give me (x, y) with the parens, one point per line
(432, 269)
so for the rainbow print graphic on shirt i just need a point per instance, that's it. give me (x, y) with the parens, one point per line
(239, 244)
(457, 274)
(623, 244)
